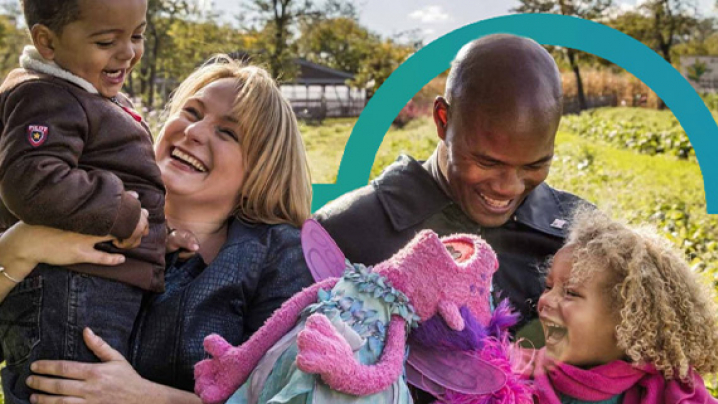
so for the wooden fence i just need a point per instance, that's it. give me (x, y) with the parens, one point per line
(570, 104)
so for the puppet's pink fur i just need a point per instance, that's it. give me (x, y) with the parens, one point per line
(450, 313)
(322, 350)
(216, 379)
(429, 276)
(424, 271)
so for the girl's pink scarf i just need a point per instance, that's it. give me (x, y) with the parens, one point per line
(640, 385)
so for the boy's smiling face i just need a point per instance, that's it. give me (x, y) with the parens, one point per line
(103, 45)
(579, 326)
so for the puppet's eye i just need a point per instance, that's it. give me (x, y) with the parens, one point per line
(455, 254)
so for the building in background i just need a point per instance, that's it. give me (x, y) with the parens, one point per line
(321, 92)
(701, 72)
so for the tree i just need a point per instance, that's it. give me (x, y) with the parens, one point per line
(340, 43)
(191, 43)
(587, 9)
(385, 57)
(277, 18)
(671, 22)
(660, 24)
(343, 44)
(12, 38)
(703, 40)
(160, 16)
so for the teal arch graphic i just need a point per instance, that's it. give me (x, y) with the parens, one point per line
(547, 29)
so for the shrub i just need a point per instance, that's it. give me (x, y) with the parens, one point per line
(411, 111)
(635, 132)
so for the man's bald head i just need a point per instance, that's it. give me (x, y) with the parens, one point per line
(497, 125)
(506, 80)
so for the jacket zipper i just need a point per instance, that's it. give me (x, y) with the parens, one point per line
(129, 110)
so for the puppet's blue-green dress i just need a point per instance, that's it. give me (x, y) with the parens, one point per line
(360, 307)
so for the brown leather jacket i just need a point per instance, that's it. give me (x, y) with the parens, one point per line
(68, 158)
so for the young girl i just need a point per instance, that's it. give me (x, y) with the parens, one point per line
(625, 320)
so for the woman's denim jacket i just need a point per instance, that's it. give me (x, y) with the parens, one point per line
(258, 268)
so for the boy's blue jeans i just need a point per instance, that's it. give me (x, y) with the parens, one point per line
(43, 318)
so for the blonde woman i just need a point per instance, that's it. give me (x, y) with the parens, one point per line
(233, 163)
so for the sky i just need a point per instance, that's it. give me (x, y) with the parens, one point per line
(432, 18)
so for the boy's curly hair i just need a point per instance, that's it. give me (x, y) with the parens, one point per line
(665, 316)
(54, 14)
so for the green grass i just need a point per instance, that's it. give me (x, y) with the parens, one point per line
(325, 145)
(624, 181)
(645, 115)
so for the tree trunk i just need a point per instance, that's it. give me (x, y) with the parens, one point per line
(128, 87)
(276, 63)
(143, 78)
(664, 44)
(281, 18)
(153, 73)
(579, 83)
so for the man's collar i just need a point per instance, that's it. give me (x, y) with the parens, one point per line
(410, 195)
(544, 210)
(432, 166)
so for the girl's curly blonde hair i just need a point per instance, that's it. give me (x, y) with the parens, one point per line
(665, 316)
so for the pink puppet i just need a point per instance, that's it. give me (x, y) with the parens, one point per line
(344, 340)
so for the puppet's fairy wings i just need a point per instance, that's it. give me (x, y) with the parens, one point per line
(437, 371)
(432, 370)
(323, 256)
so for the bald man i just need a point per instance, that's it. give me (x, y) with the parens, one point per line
(496, 126)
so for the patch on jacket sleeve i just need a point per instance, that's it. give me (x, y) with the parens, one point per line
(558, 223)
(37, 134)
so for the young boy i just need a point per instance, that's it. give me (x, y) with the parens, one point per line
(74, 156)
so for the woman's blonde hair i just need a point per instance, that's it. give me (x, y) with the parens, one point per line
(665, 316)
(277, 186)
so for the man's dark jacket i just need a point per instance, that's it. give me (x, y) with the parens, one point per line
(370, 224)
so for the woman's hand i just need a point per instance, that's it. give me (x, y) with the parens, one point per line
(23, 246)
(112, 381)
(30, 245)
